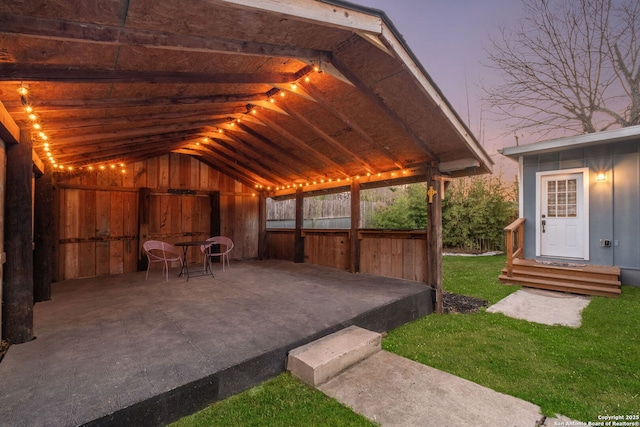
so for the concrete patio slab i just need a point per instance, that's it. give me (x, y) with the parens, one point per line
(545, 307)
(119, 350)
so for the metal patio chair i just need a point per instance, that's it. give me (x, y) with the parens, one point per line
(225, 245)
(166, 253)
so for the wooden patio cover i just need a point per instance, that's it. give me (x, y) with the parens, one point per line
(276, 94)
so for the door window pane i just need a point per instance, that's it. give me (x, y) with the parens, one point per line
(562, 198)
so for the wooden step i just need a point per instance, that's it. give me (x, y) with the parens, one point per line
(563, 276)
(563, 286)
(586, 271)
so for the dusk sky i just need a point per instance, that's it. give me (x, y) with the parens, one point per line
(449, 38)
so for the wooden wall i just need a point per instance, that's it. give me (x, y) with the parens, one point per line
(281, 244)
(97, 211)
(327, 247)
(399, 254)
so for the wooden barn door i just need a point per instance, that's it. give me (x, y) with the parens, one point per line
(98, 232)
(178, 217)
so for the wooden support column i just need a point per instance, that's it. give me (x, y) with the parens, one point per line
(17, 322)
(434, 235)
(299, 240)
(44, 236)
(144, 215)
(354, 243)
(262, 226)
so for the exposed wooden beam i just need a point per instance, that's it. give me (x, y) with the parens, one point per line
(458, 165)
(272, 163)
(211, 161)
(228, 158)
(83, 32)
(90, 123)
(90, 153)
(380, 179)
(262, 173)
(324, 101)
(333, 143)
(129, 134)
(117, 103)
(9, 130)
(11, 72)
(287, 155)
(264, 164)
(303, 146)
(378, 101)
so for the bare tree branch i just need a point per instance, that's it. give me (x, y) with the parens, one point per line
(571, 65)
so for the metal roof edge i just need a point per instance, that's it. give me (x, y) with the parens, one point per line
(585, 140)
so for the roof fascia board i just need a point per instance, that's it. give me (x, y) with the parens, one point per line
(586, 140)
(401, 51)
(344, 17)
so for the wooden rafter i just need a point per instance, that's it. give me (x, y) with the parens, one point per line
(265, 164)
(376, 100)
(250, 164)
(286, 155)
(83, 32)
(10, 72)
(333, 143)
(121, 103)
(297, 142)
(326, 103)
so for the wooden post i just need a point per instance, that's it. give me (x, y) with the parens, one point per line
(354, 243)
(144, 215)
(44, 236)
(262, 226)
(17, 322)
(299, 240)
(434, 236)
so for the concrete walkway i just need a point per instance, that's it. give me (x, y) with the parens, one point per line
(546, 307)
(393, 391)
(397, 392)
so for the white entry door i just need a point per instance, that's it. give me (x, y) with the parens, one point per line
(563, 214)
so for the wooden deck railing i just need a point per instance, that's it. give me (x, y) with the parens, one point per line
(514, 233)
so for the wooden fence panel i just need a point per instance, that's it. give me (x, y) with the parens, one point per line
(280, 244)
(394, 254)
(330, 249)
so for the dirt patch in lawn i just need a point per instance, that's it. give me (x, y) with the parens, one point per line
(454, 303)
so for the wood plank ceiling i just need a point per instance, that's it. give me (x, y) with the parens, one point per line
(275, 94)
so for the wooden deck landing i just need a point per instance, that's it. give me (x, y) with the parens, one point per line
(573, 278)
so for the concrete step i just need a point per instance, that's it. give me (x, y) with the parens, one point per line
(321, 360)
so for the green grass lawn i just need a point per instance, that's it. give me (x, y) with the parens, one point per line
(580, 373)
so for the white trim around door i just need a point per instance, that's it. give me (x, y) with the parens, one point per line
(562, 213)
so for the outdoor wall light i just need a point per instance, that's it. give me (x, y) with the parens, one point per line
(601, 177)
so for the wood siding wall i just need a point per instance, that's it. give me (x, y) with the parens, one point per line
(398, 254)
(98, 225)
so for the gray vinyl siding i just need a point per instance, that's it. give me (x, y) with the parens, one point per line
(614, 205)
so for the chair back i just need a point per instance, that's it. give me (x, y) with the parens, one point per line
(218, 240)
(161, 250)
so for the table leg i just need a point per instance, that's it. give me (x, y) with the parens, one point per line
(185, 267)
